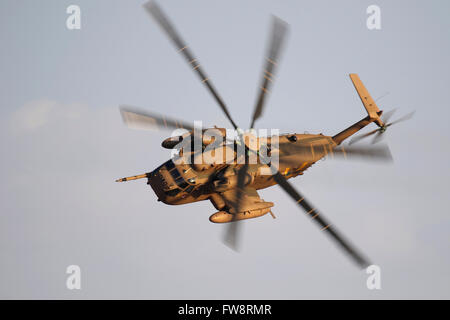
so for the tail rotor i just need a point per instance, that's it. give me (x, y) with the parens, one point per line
(382, 129)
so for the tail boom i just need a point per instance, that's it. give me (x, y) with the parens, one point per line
(341, 136)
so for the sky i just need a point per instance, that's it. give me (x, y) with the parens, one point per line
(63, 144)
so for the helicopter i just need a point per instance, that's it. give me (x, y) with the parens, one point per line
(240, 165)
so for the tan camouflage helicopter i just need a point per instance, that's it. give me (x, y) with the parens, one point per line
(231, 180)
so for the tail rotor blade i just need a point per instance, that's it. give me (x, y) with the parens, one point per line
(362, 136)
(387, 115)
(404, 118)
(379, 133)
(377, 138)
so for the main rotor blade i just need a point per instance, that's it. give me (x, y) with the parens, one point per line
(321, 221)
(380, 153)
(279, 31)
(232, 233)
(140, 119)
(305, 153)
(155, 11)
(362, 136)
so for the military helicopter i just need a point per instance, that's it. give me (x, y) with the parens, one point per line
(231, 180)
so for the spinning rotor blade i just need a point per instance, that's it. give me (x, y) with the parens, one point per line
(139, 119)
(155, 11)
(362, 136)
(232, 233)
(381, 153)
(279, 31)
(404, 118)
(305, 153)
(387, 115)
(377, 137)
(379, 132)
(320, 220)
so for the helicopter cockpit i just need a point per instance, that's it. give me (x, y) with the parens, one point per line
(176, 183)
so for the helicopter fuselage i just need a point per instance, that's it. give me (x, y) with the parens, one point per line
(177, 184)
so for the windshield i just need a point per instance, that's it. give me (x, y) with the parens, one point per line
(178, 178)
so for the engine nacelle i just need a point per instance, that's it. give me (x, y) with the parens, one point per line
(171, 142)
(214, 133)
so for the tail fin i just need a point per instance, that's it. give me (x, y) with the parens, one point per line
(370, 105)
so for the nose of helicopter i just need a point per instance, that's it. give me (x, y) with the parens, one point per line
(158, 184)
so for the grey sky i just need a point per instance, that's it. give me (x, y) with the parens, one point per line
(64, 144)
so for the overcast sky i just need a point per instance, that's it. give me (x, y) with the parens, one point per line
(63, 145)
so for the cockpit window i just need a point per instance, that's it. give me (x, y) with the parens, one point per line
(181, 183)
(173, 192)
(179, 180)
(175, 174)
(170, 165)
